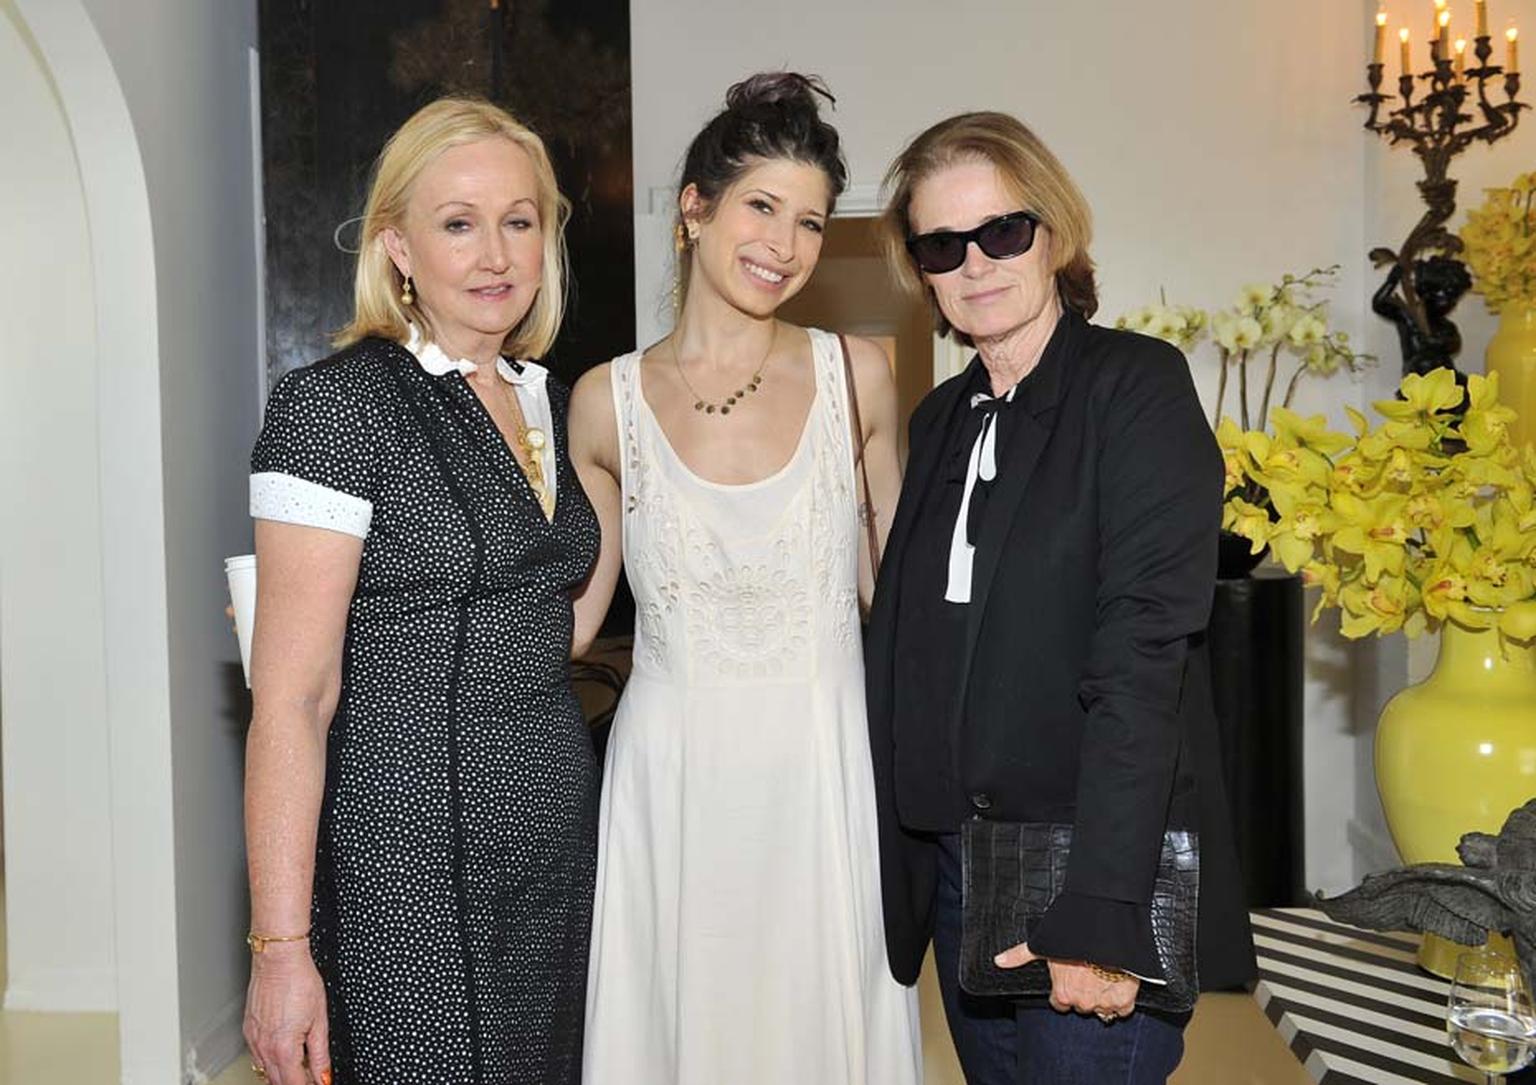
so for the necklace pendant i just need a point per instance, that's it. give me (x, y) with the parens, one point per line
(534, 440)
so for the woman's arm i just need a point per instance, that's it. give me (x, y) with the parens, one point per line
(307, 577)
(595, 455)
(876, 389)
(1159, 477)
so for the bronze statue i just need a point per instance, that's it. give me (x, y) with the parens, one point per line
(1495, 890)
(1438, 282)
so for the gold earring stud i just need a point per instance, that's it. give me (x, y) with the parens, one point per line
(407, 295)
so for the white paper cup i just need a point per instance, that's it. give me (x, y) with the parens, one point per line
(241, 571)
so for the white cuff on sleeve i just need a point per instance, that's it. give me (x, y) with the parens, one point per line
(289, 499)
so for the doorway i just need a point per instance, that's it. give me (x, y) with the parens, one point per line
(852, 292)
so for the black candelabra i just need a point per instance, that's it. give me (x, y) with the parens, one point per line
(1440, 113)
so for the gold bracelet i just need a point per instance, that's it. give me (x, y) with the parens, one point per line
(259, 942)
(1108, 975)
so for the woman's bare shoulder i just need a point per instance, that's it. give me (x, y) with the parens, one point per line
(593, 420)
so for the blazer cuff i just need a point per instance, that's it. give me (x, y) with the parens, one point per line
(1110, 933)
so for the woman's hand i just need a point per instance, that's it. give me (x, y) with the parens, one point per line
(1079, 986)
(285, 1020)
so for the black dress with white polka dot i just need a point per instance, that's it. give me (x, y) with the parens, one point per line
(455, 866)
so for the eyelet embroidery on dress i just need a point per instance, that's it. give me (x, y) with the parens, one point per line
(650, 554)
(835, 557)
(750, 609)
(752, 619)
(289, 499)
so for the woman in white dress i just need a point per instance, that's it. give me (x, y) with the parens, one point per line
(737, 933)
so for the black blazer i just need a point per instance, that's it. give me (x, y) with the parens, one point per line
(1086, 695)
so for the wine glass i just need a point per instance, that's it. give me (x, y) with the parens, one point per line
(1490, 1016)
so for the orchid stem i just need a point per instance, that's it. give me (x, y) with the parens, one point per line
(1242, 387)
(1221, 389)
(1269, 384)
(1290, 389)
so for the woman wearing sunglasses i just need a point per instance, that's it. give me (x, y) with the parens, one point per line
(1035, 653)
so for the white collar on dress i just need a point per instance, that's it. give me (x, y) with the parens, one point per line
(436, 362)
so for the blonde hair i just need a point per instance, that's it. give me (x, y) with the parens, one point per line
(1031, 173)
(433, 129)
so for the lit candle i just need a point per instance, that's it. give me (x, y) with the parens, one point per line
(1512, 65)
(1482, 18)
(1381, 37)
(1461, 56)
(1445, 36)
(1402, 37)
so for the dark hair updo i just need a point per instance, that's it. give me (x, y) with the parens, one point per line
(769, 115)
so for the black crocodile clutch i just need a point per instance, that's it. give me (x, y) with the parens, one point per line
(1012, 871)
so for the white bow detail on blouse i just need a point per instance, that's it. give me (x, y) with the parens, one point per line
(983, 466)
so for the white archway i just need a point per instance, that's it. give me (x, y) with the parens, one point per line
(133, 604)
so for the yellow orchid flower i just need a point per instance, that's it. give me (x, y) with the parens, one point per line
(1291, 429)
(1325, 575)
(1280, 461)
(1382, 607)
(1357, 475)
(1518, 620)
(1496, 581)
(1235, 459)
(1429, 512)
(1445, 597)
(1305, 519)
(1423, 395)
(1472, 473)
(1243, 518)
(1485, 428)
(1374, 528)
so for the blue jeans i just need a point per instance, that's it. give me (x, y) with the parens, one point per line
(1003, 1043)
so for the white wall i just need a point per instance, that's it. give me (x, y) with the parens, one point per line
(183, 68)
(1215, 141)
(53, 694)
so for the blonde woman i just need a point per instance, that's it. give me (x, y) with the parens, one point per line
(420, 788)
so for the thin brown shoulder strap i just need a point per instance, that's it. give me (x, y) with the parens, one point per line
(866, 506)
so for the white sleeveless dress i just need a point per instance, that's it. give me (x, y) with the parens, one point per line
(737, 934)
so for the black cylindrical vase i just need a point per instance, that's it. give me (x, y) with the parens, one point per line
(1256, 645)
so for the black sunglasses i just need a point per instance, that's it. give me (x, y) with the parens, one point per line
(1001, 238)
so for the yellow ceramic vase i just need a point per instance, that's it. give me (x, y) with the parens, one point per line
(1457, 752)
(1512, 355)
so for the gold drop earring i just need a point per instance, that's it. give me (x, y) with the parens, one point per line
(682, 239)
(407, 295)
